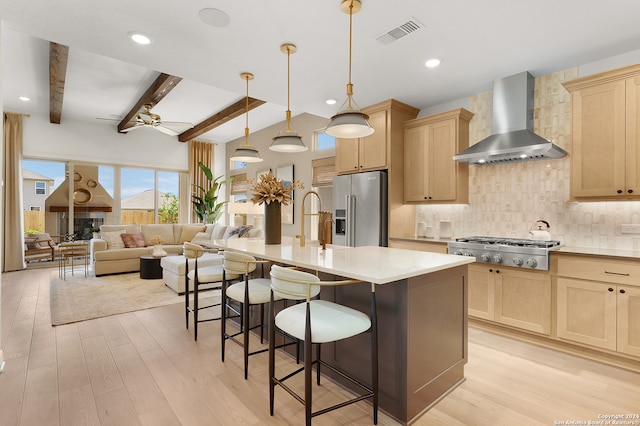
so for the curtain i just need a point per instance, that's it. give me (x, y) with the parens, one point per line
(12, 226)
(199, 152)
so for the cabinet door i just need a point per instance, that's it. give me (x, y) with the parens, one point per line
(372, 154)
(598, 163)
(481, 292)
(415, 168)
(442, 139)
(523, 299)
(587, 312)
(629, 320)
(633, 136)
(346, 155)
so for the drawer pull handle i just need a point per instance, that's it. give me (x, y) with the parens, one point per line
(610, 289)
(617, 273)
(622, 291)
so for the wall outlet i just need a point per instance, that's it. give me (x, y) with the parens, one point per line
(630, 228)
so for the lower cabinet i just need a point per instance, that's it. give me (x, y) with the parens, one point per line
(515, 297)
(601, 314)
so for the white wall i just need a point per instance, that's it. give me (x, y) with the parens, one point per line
(101, 143)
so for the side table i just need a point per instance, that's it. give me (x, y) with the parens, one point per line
(68, 253)
(150, 268)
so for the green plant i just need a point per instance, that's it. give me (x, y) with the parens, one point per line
(205, 198)
(168, 212)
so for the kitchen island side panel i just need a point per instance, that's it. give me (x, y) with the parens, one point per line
(422, 339)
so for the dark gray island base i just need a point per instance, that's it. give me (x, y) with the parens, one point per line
(422, 332)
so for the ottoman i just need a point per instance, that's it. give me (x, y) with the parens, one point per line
(173, 269)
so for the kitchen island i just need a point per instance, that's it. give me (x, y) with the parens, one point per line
(422, 315)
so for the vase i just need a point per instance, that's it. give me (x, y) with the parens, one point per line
(272, 223)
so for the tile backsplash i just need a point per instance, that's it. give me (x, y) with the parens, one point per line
(506, 200)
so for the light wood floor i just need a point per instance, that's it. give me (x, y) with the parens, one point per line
(144, 368)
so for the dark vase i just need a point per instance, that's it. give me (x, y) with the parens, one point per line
(272, 223)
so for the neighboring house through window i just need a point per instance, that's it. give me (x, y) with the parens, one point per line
(41, 188)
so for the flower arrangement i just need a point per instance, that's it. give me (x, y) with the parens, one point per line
(270, 189)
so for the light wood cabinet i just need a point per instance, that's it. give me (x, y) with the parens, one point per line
(598, 303)
(431, 247)
(364, 154)
(515, 297)
(606, 134)
(430, 174)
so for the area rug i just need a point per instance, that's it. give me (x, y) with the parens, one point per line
(81, 298)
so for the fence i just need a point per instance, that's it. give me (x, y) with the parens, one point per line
(34, 220)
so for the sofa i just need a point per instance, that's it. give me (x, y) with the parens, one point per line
(118, 247)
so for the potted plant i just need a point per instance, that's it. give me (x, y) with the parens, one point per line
(205, 198)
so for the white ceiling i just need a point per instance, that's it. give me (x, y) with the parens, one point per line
(477, 41)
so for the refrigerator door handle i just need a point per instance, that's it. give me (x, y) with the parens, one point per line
(347, 230)
(351, 214)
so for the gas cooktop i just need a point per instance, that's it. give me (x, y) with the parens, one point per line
(521, 253)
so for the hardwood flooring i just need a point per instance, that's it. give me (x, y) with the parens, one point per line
(144, 368)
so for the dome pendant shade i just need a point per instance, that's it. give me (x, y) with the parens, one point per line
(349, 124)
(246, 153)
(288, 140)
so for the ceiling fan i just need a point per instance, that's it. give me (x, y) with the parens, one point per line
(146, 118)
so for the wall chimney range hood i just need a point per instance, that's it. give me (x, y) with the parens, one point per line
(513, 139)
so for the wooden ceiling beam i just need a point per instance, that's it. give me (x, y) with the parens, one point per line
(154, 94)
(218, 119)
(58, 58)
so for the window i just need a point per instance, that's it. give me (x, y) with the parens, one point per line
(41, 188)
(238, 164)
(34, 208)
(323, 141)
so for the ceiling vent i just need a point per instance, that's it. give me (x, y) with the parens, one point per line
(400, 31)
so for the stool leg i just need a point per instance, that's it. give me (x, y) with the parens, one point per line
(186, 293)
(374, 356)
(272, 354)
(262, 323)
(196, 283)
(245, 323)
(307, 367)
(223, 314)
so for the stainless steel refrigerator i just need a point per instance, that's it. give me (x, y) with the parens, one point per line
(360, 209)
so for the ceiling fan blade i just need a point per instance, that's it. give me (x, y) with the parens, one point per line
(166, 130)
(137, 126)
(178, 124)
(107, 119)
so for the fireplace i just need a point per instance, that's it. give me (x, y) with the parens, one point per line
(82, 224)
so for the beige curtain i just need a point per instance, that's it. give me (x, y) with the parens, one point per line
(13, 253)
(198, 152)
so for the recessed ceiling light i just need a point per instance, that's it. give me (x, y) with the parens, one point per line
(331, 101)
(139, 37)
(24, 98)
(214, 17)
(432, 63)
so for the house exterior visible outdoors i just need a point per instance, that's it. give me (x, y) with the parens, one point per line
(35, 188)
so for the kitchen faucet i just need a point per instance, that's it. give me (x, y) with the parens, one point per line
(302, 239)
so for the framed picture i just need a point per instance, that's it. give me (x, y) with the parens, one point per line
(285, 173)
(259, 173)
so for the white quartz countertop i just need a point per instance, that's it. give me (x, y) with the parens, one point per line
(379, 265)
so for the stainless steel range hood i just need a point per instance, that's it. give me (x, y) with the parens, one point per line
(513, 139)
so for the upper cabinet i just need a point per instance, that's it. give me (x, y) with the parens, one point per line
(606, 135)
(431, 175)
(374, 152)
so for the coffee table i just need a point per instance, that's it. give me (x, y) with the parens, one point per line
(150, 268)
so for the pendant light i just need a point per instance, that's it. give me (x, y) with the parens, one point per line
(350, 122)
(288, 140)
(246, 153)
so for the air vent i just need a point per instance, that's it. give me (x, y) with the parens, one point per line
(400, 31)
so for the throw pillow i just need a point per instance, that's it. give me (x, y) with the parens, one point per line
(129, 240)
(113, 239)
(240, 231)
(200, 236)
(190, 231)
(140, 241)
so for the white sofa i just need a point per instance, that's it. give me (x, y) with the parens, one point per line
(110, 256)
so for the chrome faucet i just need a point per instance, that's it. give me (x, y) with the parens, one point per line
(302, 239)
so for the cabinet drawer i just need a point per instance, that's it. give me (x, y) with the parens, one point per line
(595, 269)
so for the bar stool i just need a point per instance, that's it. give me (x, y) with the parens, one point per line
(199, 277)
(317, 321)
(248, 292)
